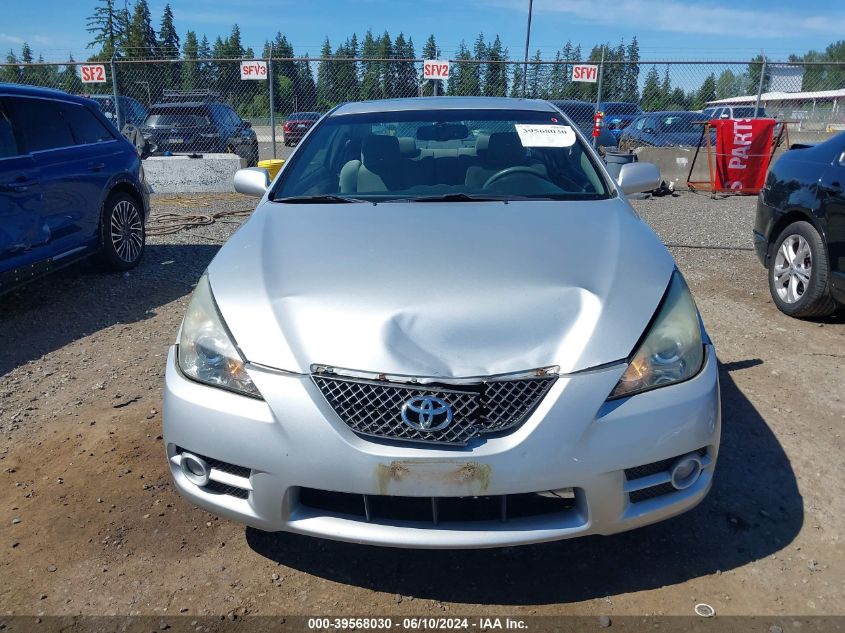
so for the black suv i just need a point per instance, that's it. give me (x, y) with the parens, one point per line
(198, 127)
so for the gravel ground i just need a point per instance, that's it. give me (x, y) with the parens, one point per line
(90, 523)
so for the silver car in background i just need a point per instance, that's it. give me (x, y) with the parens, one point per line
(443, 326)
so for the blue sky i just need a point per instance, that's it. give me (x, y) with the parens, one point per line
(666, 29)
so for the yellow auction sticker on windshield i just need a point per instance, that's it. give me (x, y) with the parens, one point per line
(531, 135)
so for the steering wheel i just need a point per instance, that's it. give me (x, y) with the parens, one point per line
(509, 171)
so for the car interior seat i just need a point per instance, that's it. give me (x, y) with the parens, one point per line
(381, 167)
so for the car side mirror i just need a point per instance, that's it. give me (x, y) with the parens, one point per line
(638, 177)
(252, 181)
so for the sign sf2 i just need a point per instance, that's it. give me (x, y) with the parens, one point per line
(92, 73)
(585, 72)
(435, 69)
(254, 69)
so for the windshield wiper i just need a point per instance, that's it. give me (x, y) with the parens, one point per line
(319, 199)
(465, 197)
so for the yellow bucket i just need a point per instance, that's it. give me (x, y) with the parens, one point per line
(272, 165)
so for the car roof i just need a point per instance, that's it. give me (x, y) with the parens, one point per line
(19, 90)
(668, 113)
(442, 103)
(180, 104)
(571, 102)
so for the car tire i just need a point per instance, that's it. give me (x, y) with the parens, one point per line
(123, 234)
(798, 273)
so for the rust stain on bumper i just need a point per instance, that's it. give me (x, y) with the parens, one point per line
(472, 477)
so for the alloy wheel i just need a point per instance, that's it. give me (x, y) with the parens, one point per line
(127, 231)
(792, 268)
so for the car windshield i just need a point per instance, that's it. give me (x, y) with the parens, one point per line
(442, 154)
(580, 113)
(177, 117)
(621, 108)
(747, 113)
(679, 123)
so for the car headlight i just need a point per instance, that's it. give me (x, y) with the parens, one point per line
(673, 349)
(206, 352)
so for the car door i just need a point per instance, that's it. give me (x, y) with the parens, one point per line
(23, 234)
(832, 192)
(72, 174)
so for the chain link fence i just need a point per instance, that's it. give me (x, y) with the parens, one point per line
(809, 95)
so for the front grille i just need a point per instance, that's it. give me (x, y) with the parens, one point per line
(434, 510)
(638, 472)
(650, 493)
(373, 407)
(225, 489)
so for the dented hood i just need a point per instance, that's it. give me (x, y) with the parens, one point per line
(440, 289)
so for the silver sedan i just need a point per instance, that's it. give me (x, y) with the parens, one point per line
(443, 326)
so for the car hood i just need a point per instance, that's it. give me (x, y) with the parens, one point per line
(440, 289)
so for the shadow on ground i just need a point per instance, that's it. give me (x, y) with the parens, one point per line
(58, 309)
(753, 510)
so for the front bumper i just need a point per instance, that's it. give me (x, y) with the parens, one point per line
(574, 439)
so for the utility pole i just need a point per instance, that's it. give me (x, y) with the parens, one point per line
(760, 85)
(527, 40)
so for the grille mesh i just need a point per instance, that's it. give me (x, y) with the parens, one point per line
(373, 408)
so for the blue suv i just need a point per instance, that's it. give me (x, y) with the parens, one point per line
(70, 186)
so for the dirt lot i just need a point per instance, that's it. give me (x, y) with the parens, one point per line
(90, 523)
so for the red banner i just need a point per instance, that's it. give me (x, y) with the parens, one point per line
(743, 148)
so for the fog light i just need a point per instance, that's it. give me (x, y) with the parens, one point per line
(195, 469)
(685, 471)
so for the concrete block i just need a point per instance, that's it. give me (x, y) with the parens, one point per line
(182, 174)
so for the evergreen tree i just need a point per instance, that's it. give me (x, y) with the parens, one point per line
(69, 80)
(207, 71)
(191, 74)
(463, 76)
(726, 85)
(536, 77)
(104, 25)
(27, 72)
(706, 93)
(12, 73)
(496, 71)
(306, 93)
(631, 76)
(479, 53)
(345, 73)
(405, 72)
(325, 81)
(168, 39)
(387, 69)
(370, 82)
(516, 84)
(755, 68)
(557, 77)
(666, 88)
(652, 94)
(141, 42)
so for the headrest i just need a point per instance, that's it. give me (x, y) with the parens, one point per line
(482, 142)
(505, 149)
(408, 147)
(378, 150)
